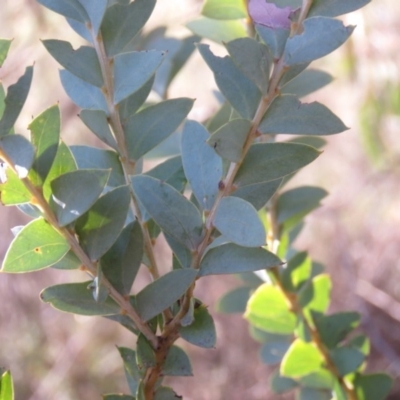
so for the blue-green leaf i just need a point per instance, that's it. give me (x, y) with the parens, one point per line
(271, 353)
(281, 384)
(149, 127)
(77, 298)
(288, 115)
(346, 359)
(82, 62)
(177, 363)
(243, 94)
(321, 36)
(88, 183)
(38, 245)
(68, 8)
(234, 301)
(83, 94)
(171, 211)
(132, 70)
(163, 292)
(165, 393)
(334, 8)
(228, 141)
(203, 167)
(14, 101)
(132, 372)
(95, 10)
(239, 222)
(231, 259)
(275, 39)
(313, 394)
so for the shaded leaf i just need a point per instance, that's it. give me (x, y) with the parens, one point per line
(275, 39)
(372, 387)
(163, 292)
(177, 363)
(271, 353)
(165, 393)
(313, 394)
(82, 62)
(241, 93)
(224, 9)
(288, 115)
(89, 183)
(69, 261)
(346, 359)
(117, 397)
(146, 129)
(132, 372)
(296, 272)
(203, 167)
(38, 245)
(281, 384)
(77, 298)
(231, 259)
(234, 301)
(171, 211)
(334, 8)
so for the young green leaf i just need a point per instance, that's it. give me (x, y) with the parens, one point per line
(170, 210)
(321, 36)
(38, 245)
(232, 259)
(224, 9)
(203, 167)
(177, 363)
(99, 227)
(372, 387)
(89, 183)
(201, 332)
(82, 62)
(228, 141)
(276, 318)
(132, 71)
(240, 91)
(13, 191)
(77, 298)
(4, 47)
(45, 137)
(163, 292)
(146, 129)
(6, 386)
(288, 115)
(132, 372)
(14, 101)
(239, 222)
(122, 261)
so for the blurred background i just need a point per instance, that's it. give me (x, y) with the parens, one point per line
(356, 233)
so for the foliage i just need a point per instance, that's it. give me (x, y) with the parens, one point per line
(96, 210)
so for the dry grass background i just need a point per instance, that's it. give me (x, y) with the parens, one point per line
(356, 233)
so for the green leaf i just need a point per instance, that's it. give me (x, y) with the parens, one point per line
(322, 379)
(45, 137)
(154, 124)
(95, 10)
(100, 227)
(203, 167)
(117, 397)
(334, 8)
(145, 355)
(174, 214)
(281, 384)
(228, 141)
(307, 82)
(234, 301)
(275, 39)
(69, 261)
(268, 310)
(253, 59)
(362, 343)
(241, 93)
(93, 158)
(82, 62)
(271, 353)
(163, 292)
(19, 152)
(258, 194)
(321, 36)
(346, 359)
(122, 261)
(89, 183)
(217, 31)
(265, 337)
(63, 162)
(37, 246)
(181, 252)
(13, 191)
(83, 94)
(68, 8)
(4, 47)
(334, 328)
(77, 298)
(312, 394)
(301, 359)
(288, 115)
(239, 222)
(224, 9)
(132, 71)
(122, 23)
(297, 272)
(372, 387)
(177, 363)
(132, 372)
(6, 386)
(232, 259)
(265, 162)
(165, 393)
(14, 101)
